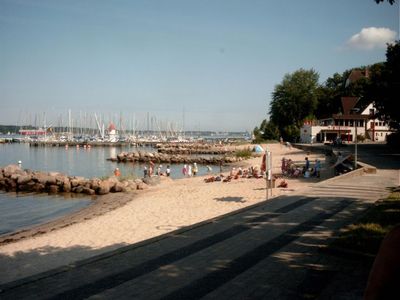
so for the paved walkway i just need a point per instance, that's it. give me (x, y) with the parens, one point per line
(269, 251)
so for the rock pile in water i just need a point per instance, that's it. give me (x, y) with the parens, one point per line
(13, 178)
(192, 149)
(172, 158)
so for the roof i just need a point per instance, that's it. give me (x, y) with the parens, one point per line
(111, 127)
(356, 75)
(348, 103)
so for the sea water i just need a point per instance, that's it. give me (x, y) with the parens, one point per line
(22, 210)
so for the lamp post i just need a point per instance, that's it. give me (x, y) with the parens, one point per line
(354, 111)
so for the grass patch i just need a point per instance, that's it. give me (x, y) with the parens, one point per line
(367, 233)
(244, 153)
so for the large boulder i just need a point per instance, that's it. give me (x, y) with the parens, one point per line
(154, 180)
(104, 188)
(53, 189)
(66, 187)
(44, 179)
(24, 179)
(12, 169)
(141, 186)
(88, 191)
(77, 189)
(38, 187)
(95, 183)
(118, 187)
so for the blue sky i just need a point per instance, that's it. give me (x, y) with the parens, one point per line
(216, 61)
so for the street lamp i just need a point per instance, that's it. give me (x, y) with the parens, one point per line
(354, 111)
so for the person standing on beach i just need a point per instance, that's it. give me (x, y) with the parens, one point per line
(184, 170)
(159, 173)
(168, 171)
(189, 171)
(307, 165)
(151, 168)
(195, 169)
(145, 172)
(317, 168)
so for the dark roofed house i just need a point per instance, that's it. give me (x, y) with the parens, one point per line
(343, 125)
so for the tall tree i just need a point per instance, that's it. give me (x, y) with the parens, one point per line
(385, 86)
(293, 100)
(329, 96)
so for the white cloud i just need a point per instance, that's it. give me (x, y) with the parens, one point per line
(372, 37)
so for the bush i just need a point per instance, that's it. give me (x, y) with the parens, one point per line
(244, 153)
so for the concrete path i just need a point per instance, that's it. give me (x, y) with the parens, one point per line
(268, 251)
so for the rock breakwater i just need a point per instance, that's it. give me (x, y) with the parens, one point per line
(173, 158)
(14, 179)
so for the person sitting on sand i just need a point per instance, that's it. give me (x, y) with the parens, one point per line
(209, 179)
(240, 171)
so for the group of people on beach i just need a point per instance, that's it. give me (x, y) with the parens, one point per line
(189, 170)
(290, 169)
(251, 172)
(150, 171)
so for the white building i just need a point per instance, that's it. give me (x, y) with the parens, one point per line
(346, 125)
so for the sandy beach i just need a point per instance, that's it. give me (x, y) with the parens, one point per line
(116, 220)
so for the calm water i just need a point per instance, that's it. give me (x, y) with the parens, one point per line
(17, 211)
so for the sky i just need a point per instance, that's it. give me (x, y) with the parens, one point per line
(191, 64)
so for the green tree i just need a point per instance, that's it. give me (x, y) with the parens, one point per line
(329, 96)
(270, 131)
(385, 86)
(293, 100)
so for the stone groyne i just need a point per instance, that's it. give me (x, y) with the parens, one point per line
(195, 150)
(14, 179)
(157, 157)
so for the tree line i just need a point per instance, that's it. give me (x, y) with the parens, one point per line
(299, 97)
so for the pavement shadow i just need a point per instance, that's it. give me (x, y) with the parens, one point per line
(25, 264)
(270, 250)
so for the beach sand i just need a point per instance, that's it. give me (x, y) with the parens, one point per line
(120, 219)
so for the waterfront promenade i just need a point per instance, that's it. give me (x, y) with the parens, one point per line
(272, 250)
